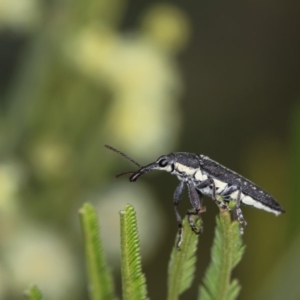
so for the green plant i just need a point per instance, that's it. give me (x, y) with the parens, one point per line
(100, 279)
(33, 293)
(227, 251)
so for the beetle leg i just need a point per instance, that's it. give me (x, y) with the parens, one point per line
(237, 211)
(196, 201)
(176, 199)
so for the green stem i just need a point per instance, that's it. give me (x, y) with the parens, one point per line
(100, 279)
(133, 280)
(227, 251)
(182, 264)
(227, 257)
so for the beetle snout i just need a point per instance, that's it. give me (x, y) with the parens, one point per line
(143, 171)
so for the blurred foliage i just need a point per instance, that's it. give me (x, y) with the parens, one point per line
(294, 221)
(82, 81)
(282, 282)
(34, 293)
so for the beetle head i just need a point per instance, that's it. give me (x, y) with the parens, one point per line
(164, 162)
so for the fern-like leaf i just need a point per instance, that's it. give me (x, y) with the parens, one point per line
(133, 280)
(33, 293)
(227, 251)
(100, 279)
(182, 264)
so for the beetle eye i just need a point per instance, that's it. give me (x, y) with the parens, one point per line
(163, 163)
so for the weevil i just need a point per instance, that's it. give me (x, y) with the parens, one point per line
(204, 176)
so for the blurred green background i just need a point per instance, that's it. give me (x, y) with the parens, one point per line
(211, 77)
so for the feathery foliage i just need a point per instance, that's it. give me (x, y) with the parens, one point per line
(100, 279)
(133, 280)
(33, 293)
(226, 252)
(182, 264)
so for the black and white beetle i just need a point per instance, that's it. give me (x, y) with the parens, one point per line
(204, 176)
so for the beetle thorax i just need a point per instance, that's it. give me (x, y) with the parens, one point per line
(183, 169)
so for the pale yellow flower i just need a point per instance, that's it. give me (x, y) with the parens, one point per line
(38, 256)
(21, 15)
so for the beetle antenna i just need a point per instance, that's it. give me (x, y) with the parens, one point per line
(124, 155)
